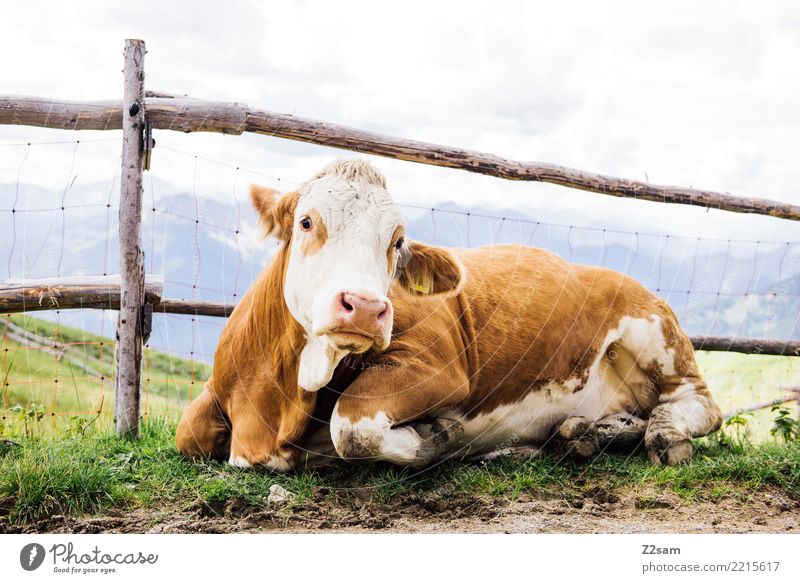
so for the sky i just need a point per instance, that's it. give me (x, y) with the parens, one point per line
(682, 93)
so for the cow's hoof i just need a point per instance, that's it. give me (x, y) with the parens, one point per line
(622, 431)
(446, 430)
(438, 436)
(665, 451)
(576, 438)
(439, 430)
(579, 449)
(576, 428)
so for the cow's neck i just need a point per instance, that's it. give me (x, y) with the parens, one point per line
(269, 319)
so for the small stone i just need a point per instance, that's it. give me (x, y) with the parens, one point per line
(321, 492)
(279, 495)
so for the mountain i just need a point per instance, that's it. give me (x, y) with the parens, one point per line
(212, 250)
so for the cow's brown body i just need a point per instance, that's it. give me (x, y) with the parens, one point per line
(529, 341)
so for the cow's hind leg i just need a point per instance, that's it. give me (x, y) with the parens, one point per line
(576, 438)
(203, 431)
(580, 438)
(677, 398)
(685, 412)
(620, 432)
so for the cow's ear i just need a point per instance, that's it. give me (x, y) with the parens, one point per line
(275, 210)
(426, 270)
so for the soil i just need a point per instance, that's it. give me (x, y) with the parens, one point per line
(767, 511)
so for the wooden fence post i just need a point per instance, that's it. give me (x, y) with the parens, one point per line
(131, 256)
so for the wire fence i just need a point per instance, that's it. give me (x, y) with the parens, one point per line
(58, 366)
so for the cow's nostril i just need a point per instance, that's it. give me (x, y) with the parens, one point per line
(382, 314)
(347, 306)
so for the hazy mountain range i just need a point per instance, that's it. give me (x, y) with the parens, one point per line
(208, 249)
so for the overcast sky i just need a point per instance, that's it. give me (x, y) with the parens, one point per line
(684, 93)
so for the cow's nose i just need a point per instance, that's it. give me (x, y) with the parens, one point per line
(365, 314)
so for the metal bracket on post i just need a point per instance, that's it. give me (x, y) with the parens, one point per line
(149, 142)
(147, 321)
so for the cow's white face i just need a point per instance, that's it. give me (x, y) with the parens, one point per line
(347, 244)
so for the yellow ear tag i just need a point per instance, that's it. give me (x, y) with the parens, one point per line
(421, 285)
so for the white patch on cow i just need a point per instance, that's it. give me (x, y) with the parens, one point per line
(644, 339)
(360, 217)
(532, 419)
(238, 462)
(400, 445)
(318, 360)
(683, 391)
(375, 437)
(535, 417)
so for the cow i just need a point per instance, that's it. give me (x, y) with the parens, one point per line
(357, 343)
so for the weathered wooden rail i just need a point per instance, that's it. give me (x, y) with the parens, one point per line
(103, 292)
(76, 292)
(186, 114)
(139, 111)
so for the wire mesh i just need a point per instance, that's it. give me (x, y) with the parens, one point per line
(58, 366)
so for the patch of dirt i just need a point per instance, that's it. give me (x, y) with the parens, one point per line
(598, 511)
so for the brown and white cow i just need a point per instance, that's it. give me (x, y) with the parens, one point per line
(398, 351)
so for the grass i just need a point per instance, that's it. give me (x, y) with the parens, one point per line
(78, 474)
(58, 454)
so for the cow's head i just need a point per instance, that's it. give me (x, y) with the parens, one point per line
(346, 242)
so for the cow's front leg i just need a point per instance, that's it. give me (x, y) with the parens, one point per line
(252, 446)
(204, 431)
(380, 438)
(683, 413)
(259, 438)
(396, 411)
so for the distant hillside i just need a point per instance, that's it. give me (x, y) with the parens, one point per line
(59, 376)
(772, 311)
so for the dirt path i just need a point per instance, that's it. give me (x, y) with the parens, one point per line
(767, 511)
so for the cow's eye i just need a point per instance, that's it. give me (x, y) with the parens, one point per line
(306, 224)
(399, 244)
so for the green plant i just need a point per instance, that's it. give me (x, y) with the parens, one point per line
(33, 414)
(734, 434)
(784, 425)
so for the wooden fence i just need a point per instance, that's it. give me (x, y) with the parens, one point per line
(140, 111)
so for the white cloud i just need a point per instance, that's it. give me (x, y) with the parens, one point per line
(688, 94)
